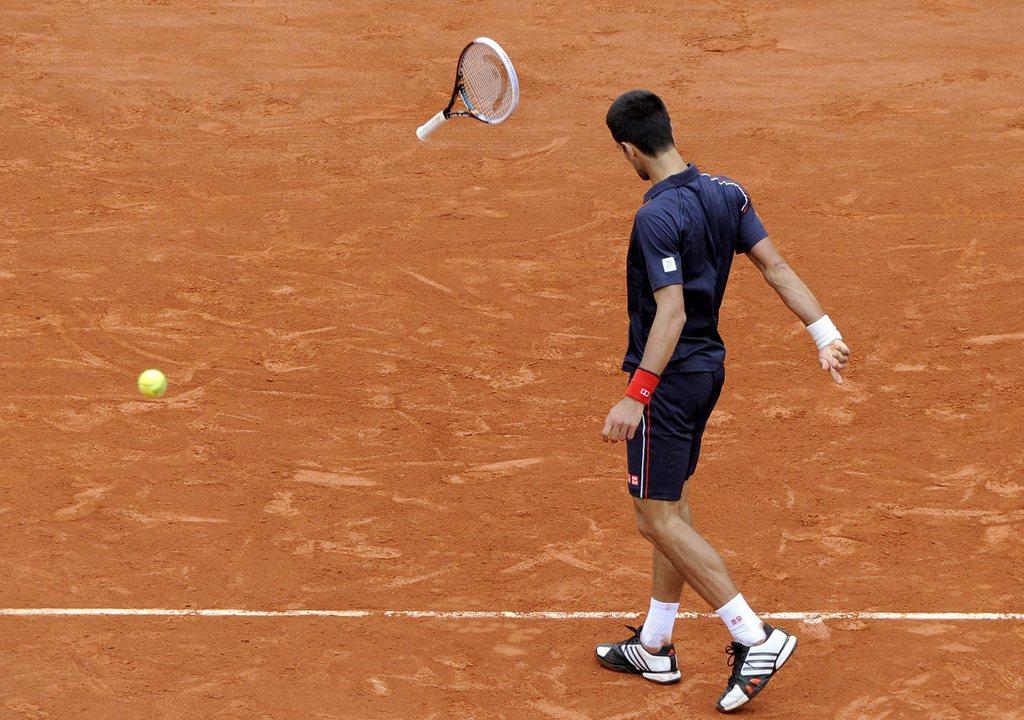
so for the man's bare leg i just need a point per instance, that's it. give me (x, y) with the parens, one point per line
(693, 559)
(667, 583)
(666, 587)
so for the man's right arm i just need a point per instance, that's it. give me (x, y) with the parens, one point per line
(833, 353)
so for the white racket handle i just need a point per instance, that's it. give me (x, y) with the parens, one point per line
(427, 129)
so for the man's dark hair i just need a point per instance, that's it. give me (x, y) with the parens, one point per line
(641, 118)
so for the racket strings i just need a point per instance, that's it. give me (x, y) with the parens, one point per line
(487, 87)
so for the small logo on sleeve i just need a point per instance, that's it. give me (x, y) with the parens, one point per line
(634, 480)
(668, 264)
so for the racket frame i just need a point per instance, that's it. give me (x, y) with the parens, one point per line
(459, 90)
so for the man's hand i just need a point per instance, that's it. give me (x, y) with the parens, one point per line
(622, 420)
(833, 357)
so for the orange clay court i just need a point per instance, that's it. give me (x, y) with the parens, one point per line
(389, 361)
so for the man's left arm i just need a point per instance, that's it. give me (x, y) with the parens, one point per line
(624, 418)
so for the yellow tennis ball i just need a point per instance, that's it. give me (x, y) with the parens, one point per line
(152, 383)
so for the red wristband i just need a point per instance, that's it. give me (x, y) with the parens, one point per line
(642, 386)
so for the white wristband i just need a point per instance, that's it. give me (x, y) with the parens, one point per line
(823, 331)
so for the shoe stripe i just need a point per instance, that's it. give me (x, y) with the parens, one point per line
(629, 656)
(641, 658)
(632, 657)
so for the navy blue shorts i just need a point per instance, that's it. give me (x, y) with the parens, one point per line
(663, 453)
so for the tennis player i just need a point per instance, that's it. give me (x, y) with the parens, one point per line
(682, 245)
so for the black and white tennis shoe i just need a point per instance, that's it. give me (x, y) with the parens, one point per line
(630, 656)
(754, 666)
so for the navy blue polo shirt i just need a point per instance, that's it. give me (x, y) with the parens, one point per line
(686, 233)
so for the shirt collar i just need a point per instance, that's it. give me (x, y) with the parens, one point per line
(681, 178)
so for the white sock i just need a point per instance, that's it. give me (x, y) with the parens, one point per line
(745, 626)
(657, 629)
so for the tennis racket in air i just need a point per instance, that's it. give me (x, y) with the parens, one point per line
(486, 83)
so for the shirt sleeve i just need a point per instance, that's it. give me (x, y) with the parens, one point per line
(751, 228)
(658, 242)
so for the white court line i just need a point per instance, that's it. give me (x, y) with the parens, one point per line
(808, 617)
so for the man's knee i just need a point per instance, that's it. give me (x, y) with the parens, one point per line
(646, 528)
(654, 522)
